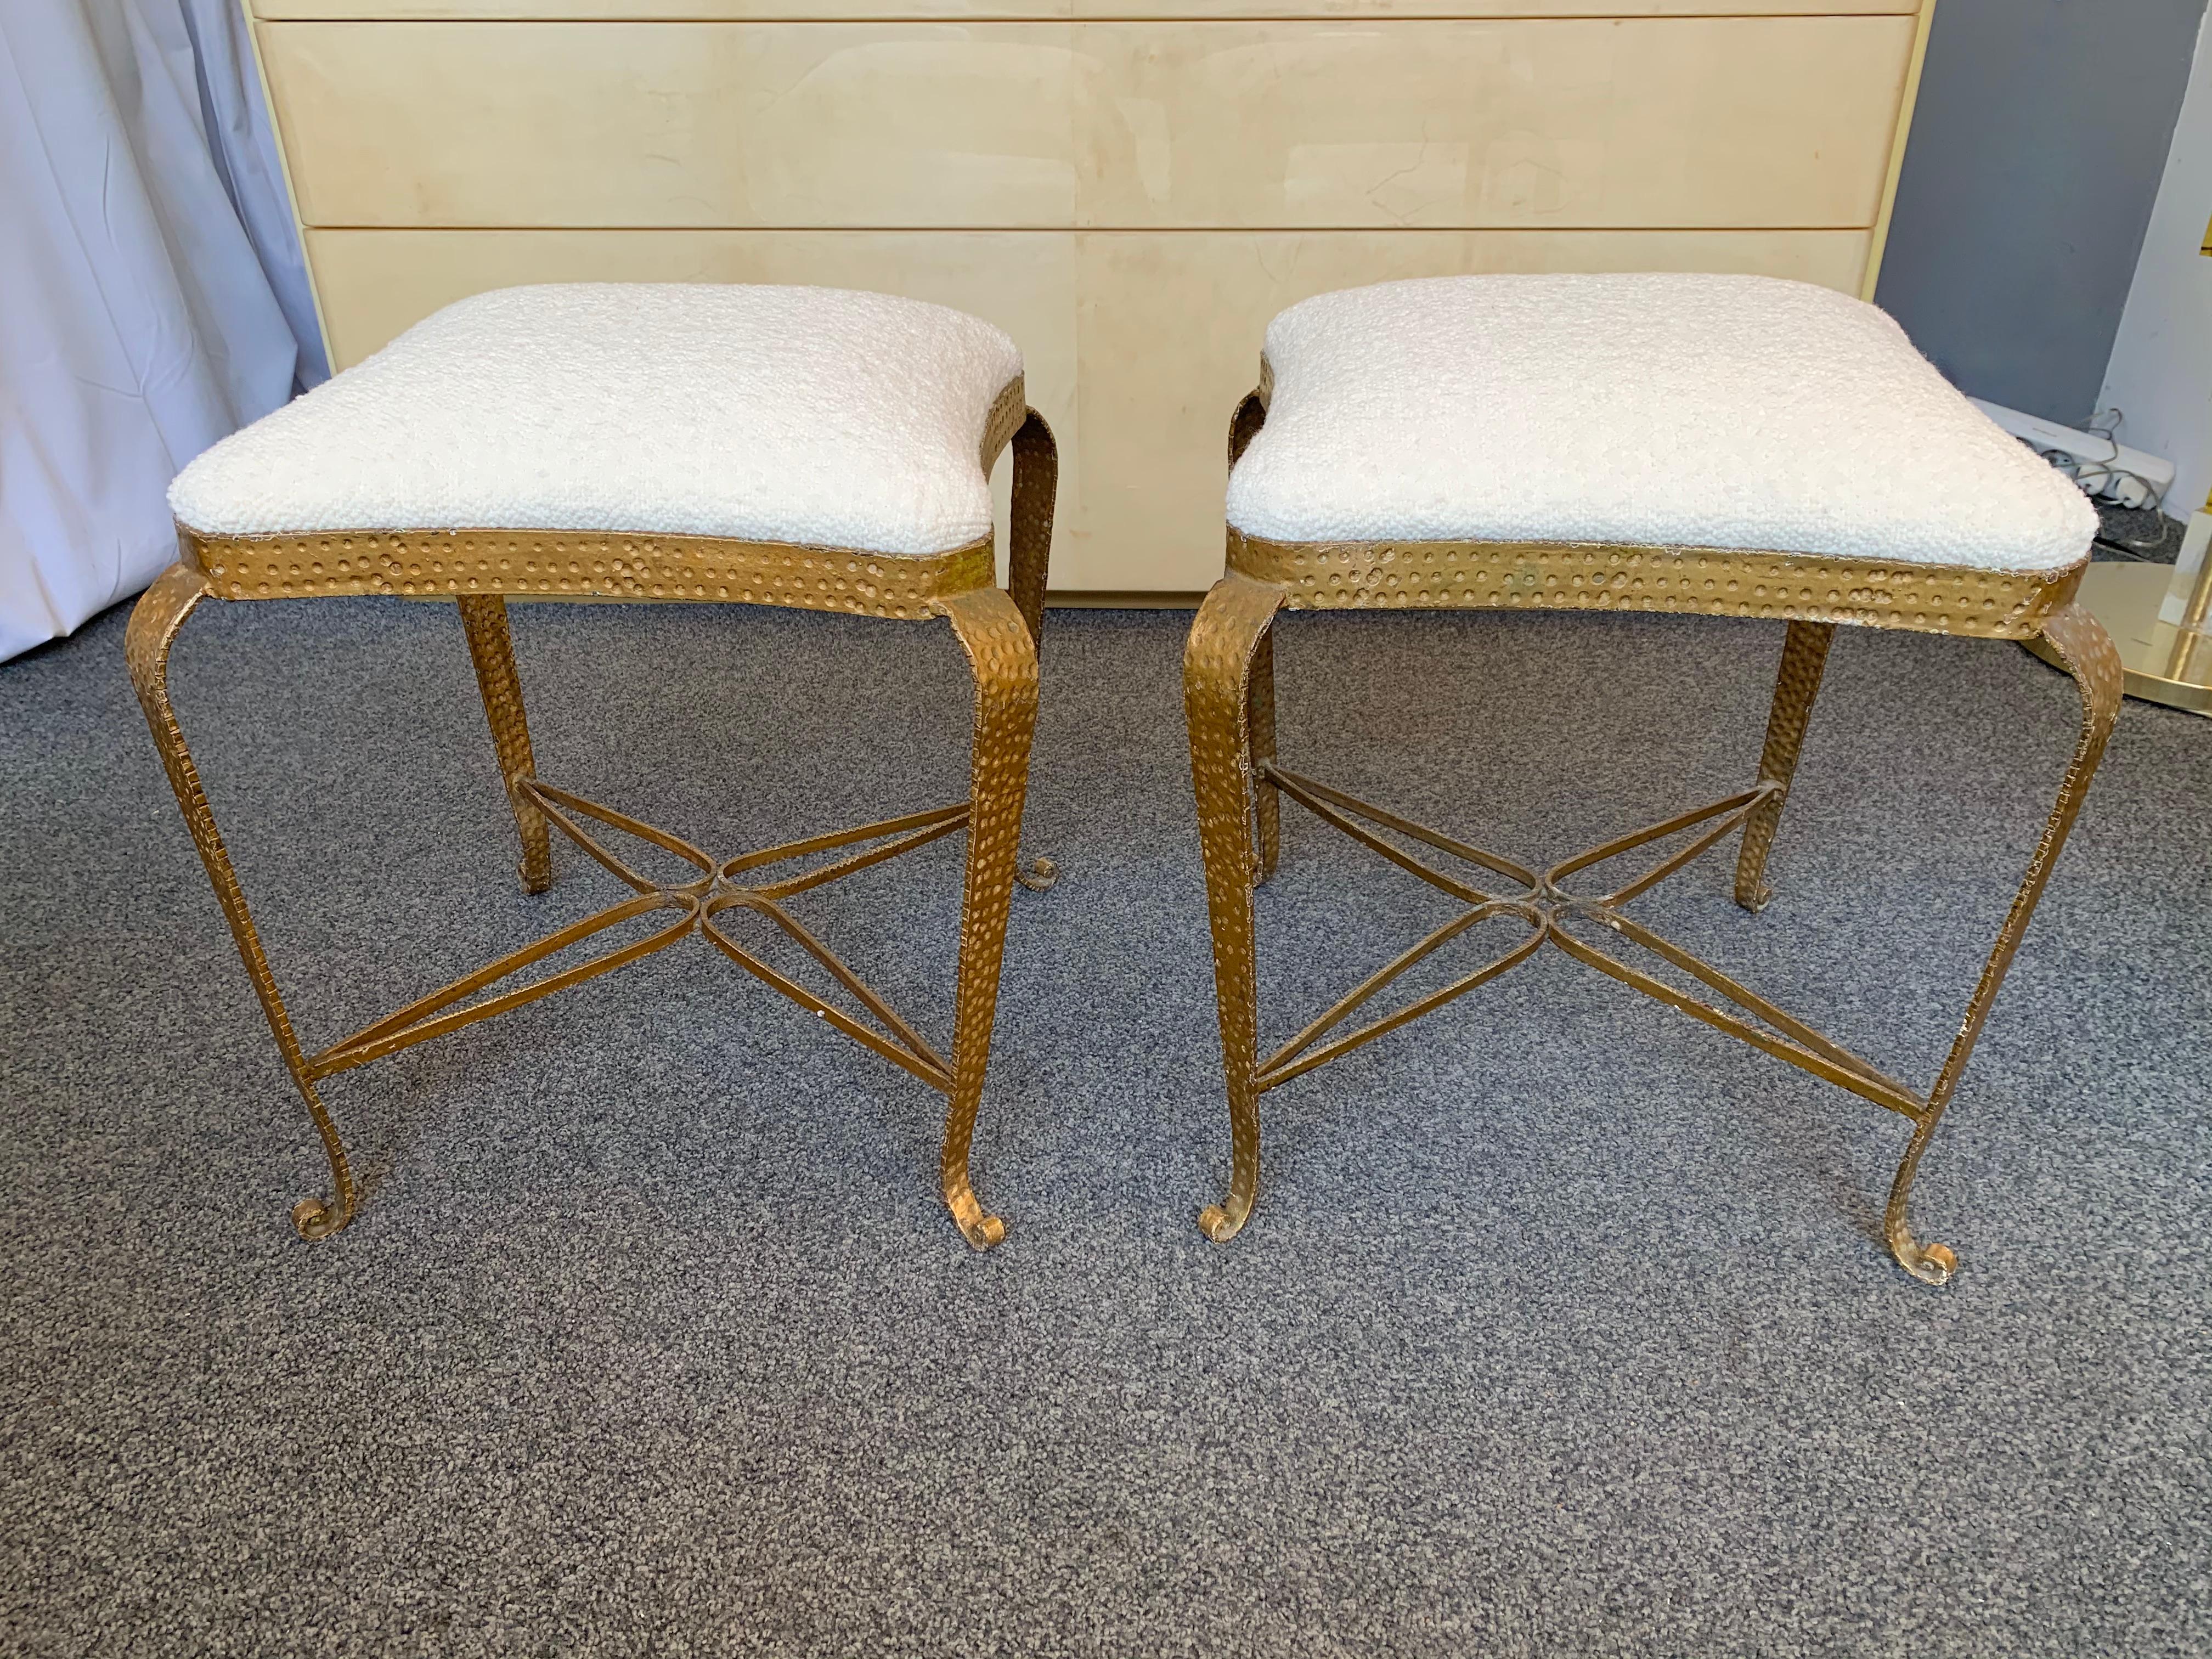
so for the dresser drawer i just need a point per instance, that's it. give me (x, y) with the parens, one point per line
(1656, 123)
(1169, 327)
(974, 11)
(1138, 343)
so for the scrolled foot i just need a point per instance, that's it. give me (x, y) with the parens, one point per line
(983, 1232)
(988, 1233)
(1038, 875)
(318, 1219)
(1755, 899)
(533, 882)
(1217, 1224)
(1931, 1264)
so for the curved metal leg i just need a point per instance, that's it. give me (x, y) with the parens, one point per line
(1267, 798)
(1244, 424)
(1217, 669)
(1002, 654)
(2086, 653)
(1028, 559)
(1029, 528)
(483, 617)
(1804, 654)
(153, 625)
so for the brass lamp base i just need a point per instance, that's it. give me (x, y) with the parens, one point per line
(2164, 664)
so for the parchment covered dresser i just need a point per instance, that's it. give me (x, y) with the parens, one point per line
(1130, 188)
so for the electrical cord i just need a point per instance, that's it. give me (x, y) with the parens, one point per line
(2140, 552)
(2104, 478)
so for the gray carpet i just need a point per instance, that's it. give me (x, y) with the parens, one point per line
(1563, 1328)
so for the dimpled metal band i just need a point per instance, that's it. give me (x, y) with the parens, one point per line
(1712, 581)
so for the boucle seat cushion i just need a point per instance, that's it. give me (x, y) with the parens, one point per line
(802, 415)
(1653, 409)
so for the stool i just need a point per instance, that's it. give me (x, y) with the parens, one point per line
(794, 446)
(1715, 446)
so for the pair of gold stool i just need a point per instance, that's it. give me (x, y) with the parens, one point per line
(831, 451)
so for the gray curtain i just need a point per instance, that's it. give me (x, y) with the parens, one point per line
(153, 297)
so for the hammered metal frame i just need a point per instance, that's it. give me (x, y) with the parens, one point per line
(997, 631)
(1229, 703)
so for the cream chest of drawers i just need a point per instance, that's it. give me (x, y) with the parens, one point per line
(1129, 187)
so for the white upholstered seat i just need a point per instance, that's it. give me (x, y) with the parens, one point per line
(810, 415)
(1652, 408)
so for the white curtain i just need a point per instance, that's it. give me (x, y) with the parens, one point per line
(152, 294)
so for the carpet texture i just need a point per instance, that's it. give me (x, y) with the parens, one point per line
(1563, 1326)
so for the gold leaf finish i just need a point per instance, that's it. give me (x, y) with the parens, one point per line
(1711, 581)
(581, 564)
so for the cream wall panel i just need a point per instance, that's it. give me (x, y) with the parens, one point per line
(964, 10)
(1138, 343)
(1692, 122)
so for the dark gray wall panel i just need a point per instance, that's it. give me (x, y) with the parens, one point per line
(2037, 146)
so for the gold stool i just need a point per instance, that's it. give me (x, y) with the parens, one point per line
(803, 448)
(1557, 443)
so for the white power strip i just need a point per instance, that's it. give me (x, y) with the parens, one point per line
(2128, 477)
